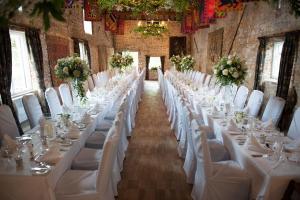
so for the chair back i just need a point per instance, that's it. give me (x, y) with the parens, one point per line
(241, 97)
(254, 103)
(109, 156)
(207, 80)
(33, 109)
(201, 150)
(90, 83)
(273, 110)
(65, 94)
(294, 130)
(53, 102)
(8, 124)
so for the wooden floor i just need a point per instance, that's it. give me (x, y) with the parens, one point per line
(152, 169)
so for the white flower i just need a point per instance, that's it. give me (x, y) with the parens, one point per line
(229, 62)
(221, 67)
(235, 75)
(225, 72)
(229, 57)
(66, 70)
(215, 71)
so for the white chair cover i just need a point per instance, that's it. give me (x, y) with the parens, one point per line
(33, 109)
(254, 103)
(273, 110)
(65, 94)
(90, 83)
(241, 97)
(96, 80)
(8, 125)
(53, 102)
(217, 181)
(294, 130)
(92, 185)
(207, 80)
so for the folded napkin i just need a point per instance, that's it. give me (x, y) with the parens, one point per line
(268, 125)
(214, 111)
(73, 132)
(9, 143)
(232, 127)
(86, 118)
(52, 156)
(253, 145)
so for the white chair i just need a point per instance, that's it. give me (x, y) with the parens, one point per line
(241, 97)
(217, 150)
(90, 184)
(65, 94)
(53, 102)
(7, 123)
(90, 83)
(254, 103)
(33, 109)
(273, 110)
(294, 130)
(207, 80)
(217, 180)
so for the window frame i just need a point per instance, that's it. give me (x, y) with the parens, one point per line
(87, 23)
(25, 60)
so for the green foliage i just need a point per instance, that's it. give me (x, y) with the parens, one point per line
(44, 8)
(183, 63)
(151, 29)
(121, 62)
(75, 70)
(230, 70)
(295, 7)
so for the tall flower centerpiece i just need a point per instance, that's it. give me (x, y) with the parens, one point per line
(230, 70)
(121, 62)
(74, 70)
(187, 63)
(183, 63)
(176, 59)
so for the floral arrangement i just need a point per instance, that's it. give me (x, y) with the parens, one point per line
(187, 63)
(75, 70)
(151, 29)
(230, 70)
(239, 116)
(121, 62)
(183, 63)
(176, 61)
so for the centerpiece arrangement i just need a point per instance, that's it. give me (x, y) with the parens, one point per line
(74, 70)
(183, 63)
(121, 62)
(230, 70)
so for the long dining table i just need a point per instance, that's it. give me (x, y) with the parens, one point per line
(269, 178)
(21, 182)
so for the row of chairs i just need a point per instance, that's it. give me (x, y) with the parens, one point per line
(183, 116)
(97, 167)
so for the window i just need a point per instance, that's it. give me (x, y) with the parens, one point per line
(154, 62)
(277, 49)
(21, 64)
(87, 25)
(83, 52)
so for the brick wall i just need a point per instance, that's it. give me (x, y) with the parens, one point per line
(260, 19)
(73, 27)
(151, 46)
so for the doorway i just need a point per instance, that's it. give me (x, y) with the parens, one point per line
(153, 63)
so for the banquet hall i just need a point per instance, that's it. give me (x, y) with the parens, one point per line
(149, 100)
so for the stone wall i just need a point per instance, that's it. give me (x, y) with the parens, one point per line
(260, 19)
(64, 31)
(150, 46)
